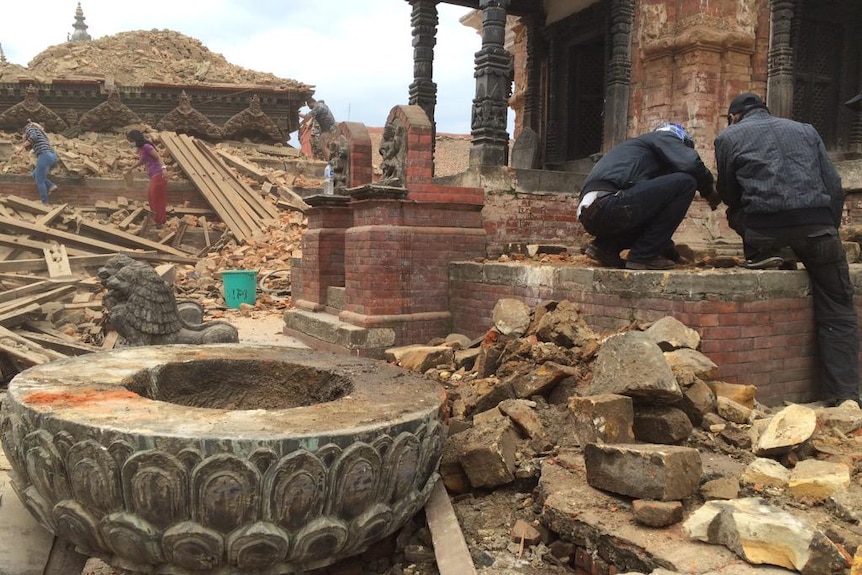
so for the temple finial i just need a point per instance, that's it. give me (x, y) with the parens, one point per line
(80, 33)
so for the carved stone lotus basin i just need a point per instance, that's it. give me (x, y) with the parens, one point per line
(222, 459)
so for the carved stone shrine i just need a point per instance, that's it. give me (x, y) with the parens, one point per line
(222, 459)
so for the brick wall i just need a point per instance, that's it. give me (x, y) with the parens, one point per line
(758, 327)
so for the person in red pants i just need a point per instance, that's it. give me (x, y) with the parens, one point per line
(157, 195)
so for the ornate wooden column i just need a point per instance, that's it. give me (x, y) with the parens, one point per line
(536, 51)
(493, 88)
(779, 83)
(423, 90)
(619, 73)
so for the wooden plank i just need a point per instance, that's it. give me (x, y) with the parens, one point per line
(235, 194)
(58, 344)
(52, 215)
(450, 549)
(67, 238)
(258, 204)
(110, 340)
(191, 163)
(58, 261)
(91, 261)
(129, 240)
(26, 350)
(205, 226)
(130, 219)
(54, 294)
(24, 290)
(33, 245)
(19, 316)
(241, 165)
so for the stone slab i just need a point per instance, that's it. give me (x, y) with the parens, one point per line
(603, 523)
(24, 544)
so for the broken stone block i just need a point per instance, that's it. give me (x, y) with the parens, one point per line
(632, 364)
(537, 381)
(732, 411)
(657, 513)
(511, 316)
(697, 400)
(661, 424)
(742, 394)
(450, 469)
(605, 418)
(846, 421)
(817, 479)
(721, 488)
(526, 533)
(488, 454)
(691, 361)
(423, 358)
(564, 326)
(761, 533)
(523, 415)
(786, 430)
(766, 472)
(644, 471)
(670, 333)
(466, 358)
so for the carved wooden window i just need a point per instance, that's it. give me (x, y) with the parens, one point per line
(827, 51)
(586, 99)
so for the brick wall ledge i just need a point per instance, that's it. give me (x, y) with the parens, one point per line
(757, 326)
(727, 284)
(363, 320)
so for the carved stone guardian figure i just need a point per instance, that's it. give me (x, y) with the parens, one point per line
(142, 308)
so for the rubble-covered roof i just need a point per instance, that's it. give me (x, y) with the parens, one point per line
(140, 57)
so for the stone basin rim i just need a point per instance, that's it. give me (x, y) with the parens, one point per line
(378, 394)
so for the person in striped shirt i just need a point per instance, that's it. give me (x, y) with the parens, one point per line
(34, 139)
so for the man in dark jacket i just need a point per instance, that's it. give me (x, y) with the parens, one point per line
(636, 196)
(782, 191)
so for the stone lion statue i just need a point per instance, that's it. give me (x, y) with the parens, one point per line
(143, 309)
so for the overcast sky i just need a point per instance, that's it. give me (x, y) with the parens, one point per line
(356, 53)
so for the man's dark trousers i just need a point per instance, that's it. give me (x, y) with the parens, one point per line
(642, 218)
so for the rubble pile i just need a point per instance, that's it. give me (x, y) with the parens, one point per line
(139, 57)
(569, 423)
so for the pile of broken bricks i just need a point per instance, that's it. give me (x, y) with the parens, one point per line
(628, 433)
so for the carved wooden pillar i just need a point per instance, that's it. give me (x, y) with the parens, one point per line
(423, 90)
(536, 50)
(779, 83)
(618, 74)
(493, 88)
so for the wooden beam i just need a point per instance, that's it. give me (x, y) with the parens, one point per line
(90, 261)
(128, 240)
(241, 165)
(450, 549)
(26, 350)
(19, 292)
(124, 225)
(58, 344)
(33, 245)
(54, 294)
(19, 316)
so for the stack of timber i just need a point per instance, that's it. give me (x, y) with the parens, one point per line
(244, 211)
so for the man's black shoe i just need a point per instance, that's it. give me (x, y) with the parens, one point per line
(763, 263)
(656, 263)
(606, 258)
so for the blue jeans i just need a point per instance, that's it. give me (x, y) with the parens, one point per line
(642, 218)
(44, 162)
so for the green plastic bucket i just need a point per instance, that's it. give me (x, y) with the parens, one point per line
(240, 286)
